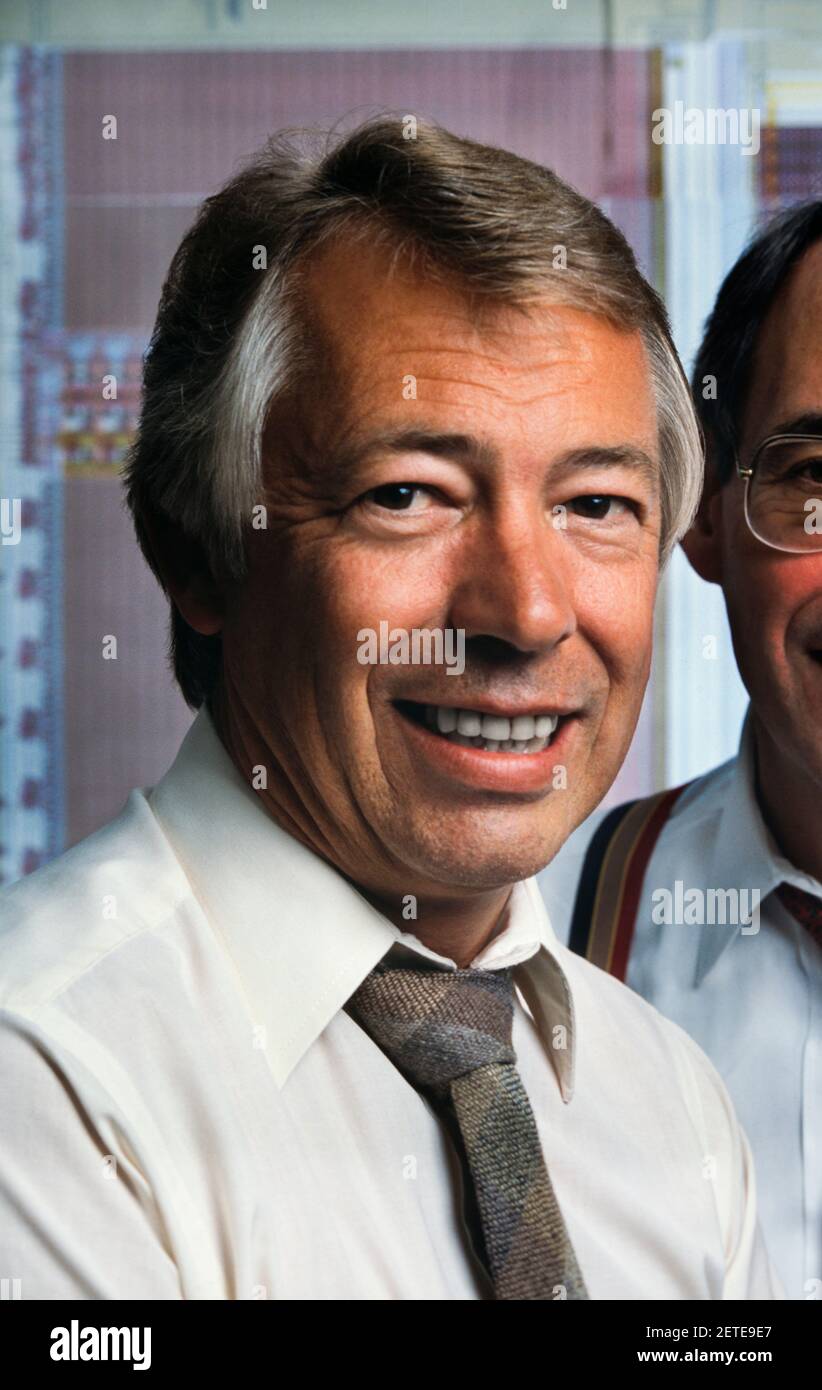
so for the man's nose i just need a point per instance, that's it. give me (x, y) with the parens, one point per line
(514, 583)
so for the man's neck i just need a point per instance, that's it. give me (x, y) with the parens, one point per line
(458, 928)
(790, 802)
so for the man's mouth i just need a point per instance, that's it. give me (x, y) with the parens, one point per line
(493, 733)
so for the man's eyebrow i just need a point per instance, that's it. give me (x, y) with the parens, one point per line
(466, 447)
(404, 440)
(809, 423)
(609, 456)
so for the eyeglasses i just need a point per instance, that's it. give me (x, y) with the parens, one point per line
(783, 492)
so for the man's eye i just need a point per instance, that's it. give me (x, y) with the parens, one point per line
(602, 506)
(815, 466)
(397, 497)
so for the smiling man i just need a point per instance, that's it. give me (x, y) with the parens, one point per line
(744, 979)
(296, 1025)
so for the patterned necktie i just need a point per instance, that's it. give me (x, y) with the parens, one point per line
(449, 1033)
(805, 907)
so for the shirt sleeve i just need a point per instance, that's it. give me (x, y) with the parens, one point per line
(729, 1166)
(76, 1220)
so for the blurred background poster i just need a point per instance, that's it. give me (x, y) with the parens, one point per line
(89, 226)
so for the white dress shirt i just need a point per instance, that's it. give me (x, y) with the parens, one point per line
(188, 1111)
(751, 999)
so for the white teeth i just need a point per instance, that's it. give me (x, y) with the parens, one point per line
(495, 733)
(495, 726)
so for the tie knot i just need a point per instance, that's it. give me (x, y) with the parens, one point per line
(437, 1025)
(805, 907)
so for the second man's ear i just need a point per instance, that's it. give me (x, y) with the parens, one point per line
(186, 574)
(702, 543)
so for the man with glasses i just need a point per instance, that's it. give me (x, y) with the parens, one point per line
(707, 899)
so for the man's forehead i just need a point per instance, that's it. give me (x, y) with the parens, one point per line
(393, 345)
(373, 305)
(786, 375)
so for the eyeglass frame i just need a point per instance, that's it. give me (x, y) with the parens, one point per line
(748, 474)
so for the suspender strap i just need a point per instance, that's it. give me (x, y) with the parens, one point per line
(607, 898)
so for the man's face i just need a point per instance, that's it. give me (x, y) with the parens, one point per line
(451, 527)
(774, 598)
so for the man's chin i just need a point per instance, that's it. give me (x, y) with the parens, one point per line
(478, 861)
(789, 727)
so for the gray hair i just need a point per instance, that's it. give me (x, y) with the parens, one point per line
(230, 336)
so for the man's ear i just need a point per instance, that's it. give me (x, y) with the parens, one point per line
(185, 572)
(703, 542)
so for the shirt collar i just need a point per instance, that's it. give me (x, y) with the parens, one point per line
(300, 936)
(745, 854)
